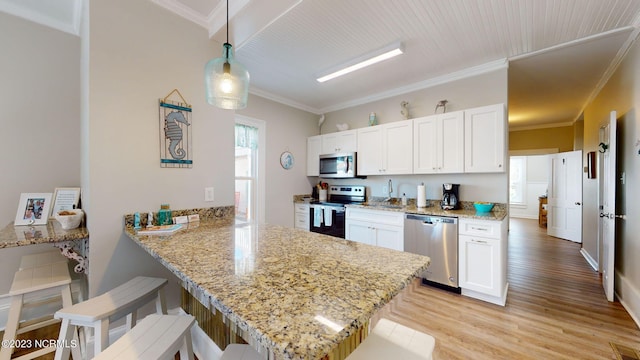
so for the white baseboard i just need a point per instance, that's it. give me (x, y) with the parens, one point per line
(629, 297)
(590, 260)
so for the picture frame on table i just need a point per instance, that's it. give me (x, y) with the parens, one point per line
(65, 198)
(33, 209)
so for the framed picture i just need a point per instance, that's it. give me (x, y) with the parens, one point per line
(67, 198)
(286, 160)
(33, 209)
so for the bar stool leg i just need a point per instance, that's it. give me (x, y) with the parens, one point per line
(186, 351)
(101, 336)
(13, 320)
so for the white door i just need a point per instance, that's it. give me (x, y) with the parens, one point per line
(564, 208)
(607, 222)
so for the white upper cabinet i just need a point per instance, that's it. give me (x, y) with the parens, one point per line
(339, 142)
(484, 134)
(386, 149)
(314, 148)
(438, 145)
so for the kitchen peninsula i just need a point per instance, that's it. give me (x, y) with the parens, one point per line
(289, 293)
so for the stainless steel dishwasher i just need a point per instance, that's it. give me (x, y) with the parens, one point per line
(437, 238)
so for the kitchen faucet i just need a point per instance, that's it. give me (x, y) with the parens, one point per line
(390, 189)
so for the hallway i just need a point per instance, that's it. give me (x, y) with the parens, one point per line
(556, 308)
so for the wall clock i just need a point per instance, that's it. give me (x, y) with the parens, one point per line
(286, 160)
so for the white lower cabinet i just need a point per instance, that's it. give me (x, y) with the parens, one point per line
(483, 259)
(301, 216)
(375, 227)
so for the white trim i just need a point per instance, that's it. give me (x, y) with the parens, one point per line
(590, 260)
(533, 152)
(184, 11)
(261, 187)
(282, 100)
(513, 128)
(629, 297)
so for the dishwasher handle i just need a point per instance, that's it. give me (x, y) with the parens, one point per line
(431, 220)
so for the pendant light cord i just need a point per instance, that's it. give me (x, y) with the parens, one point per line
(227, 22)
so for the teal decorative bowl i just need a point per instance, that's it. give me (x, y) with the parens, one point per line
(483, 207)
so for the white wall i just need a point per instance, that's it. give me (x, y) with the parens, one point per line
(621, 93)
(287, 129)
(537, 182)
(475, 91)
(40, 121)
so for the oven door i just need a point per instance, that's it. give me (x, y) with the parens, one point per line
(320, 222)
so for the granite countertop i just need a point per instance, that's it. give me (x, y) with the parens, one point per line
(498, 213)
(294, 293)
(52, 232)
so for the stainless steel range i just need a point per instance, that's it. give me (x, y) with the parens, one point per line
(329, 217)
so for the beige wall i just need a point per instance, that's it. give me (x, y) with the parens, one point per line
(622, 94)
(561, 138)
(40, 121)
(475, 91)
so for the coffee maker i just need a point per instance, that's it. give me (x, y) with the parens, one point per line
(450, 200)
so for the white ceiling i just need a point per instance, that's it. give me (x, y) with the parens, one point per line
(559, 51)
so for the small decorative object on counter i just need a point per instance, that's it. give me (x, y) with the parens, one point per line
(404, 110)
(404, 199)
(69, 219)
(150, 218)
(164, 215)
(372, 119)
(136, 220)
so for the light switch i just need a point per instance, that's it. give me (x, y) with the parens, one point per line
(208, 194)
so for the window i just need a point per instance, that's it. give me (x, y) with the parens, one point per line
(517, 179)
(249, 170)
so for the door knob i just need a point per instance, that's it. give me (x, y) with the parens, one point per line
(603, 215)
(578, 203)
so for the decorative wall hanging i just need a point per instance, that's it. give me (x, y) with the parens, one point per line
(175, 132)
(286, 160)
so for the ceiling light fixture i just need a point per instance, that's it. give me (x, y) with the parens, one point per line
(377, 56)
(226, 80)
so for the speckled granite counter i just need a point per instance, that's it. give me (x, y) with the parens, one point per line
(294, 293)
(497, 215)
(72, 243)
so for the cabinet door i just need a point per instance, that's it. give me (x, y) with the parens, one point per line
(314, 147)
(480, 264)
(484, 134)
(451, 142)
(398, 148)
(425, 154)
(370, 151)
(359, 231)
(390, 237)
(340, 142)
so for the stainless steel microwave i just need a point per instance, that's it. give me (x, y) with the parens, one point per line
(339, 165)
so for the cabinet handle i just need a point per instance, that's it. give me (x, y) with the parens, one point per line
(499, 165)
(479, 241)
(479, 229)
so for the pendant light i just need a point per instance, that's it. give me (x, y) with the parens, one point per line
(226, 80)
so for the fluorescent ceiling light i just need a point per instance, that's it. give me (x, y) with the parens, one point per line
(377, 56)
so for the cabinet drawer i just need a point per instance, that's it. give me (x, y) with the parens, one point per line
(301, 222)
(376, 216)
(301, 208)
(489, 229)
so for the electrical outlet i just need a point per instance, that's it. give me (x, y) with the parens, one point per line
(208, 194)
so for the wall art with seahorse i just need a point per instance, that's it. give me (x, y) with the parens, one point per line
(175, 134)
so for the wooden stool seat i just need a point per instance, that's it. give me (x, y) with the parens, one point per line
(98, 312)
(49, 277)
(40, 259)
(156, 337)
(390, 340)
(240, 352)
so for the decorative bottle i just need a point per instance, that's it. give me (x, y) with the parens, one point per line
(164, 215)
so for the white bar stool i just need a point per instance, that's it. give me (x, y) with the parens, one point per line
(240, 352)
(99, 311)
(48, 277)
(390, 340)
(156, 337)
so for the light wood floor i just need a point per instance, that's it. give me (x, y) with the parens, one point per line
(556, 308)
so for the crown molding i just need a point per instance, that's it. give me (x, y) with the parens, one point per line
(513, 128)
(16, 8)
(184, 11)
(283, 100)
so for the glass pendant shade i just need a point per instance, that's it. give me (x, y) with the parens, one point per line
(226, 81)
